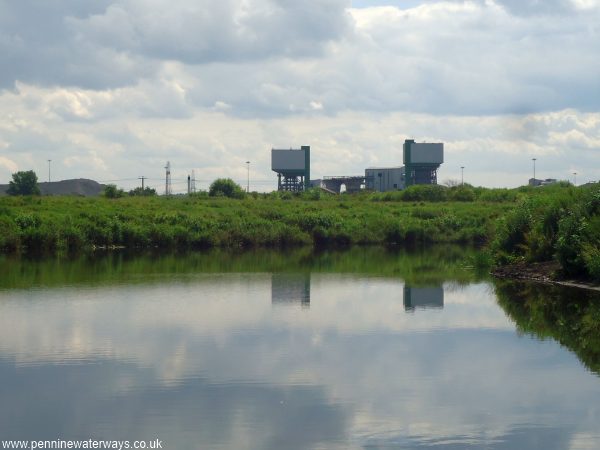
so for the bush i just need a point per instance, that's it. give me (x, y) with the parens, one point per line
(111, 191)
(225, 187)
(425, 192)
(511, 233)
(558, 222)
(146, 192)
(9, 238)
(461, 194)
(591, 259)
(496, 195)
(24, 183)
(312, 194)
(571, 234)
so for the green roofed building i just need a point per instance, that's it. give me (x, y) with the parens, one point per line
(292, 167)
(422, 161)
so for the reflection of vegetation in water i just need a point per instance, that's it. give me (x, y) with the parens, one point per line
(290, 288)
(570, 316)
(419, 267)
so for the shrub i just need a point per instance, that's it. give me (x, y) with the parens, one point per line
(571, 230)
(425, 192)
(461, 194)
(146, 192)
(225, 187)
(312, 194)
(24, 183)
(111, 191)
(511, 233)
(591, 259)
(9, 238)
(496, 195)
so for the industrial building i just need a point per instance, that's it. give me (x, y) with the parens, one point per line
(546, 182)
(292, 167)
(383, 179)
(352, 184)
(422, 162)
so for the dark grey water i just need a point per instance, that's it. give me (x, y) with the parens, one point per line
(360, 350)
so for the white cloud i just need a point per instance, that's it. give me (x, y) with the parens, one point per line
(7, 163)
(209, 85)
(216, 145)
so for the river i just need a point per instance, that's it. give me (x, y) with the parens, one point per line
(364, 348)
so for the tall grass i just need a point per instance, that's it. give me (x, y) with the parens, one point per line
(61, 224)
(562, 224)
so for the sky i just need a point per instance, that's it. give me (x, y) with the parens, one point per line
(113, 89)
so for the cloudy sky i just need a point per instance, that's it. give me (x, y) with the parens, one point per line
(112, 89)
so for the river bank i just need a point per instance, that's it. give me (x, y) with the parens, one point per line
(547, 272)
(551, 237)
(62, 224)
(526, 231)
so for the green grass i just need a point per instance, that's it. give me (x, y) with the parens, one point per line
(61, 224)
(558, 222)
(561, 223)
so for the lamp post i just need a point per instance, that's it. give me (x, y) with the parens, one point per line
(534, 159)
(49, 161)
(248, 179)
(575, 181)
(462, 175)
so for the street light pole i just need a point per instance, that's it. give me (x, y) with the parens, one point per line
(534, 159)
(248, 180)
(462, 175)
(49, 161)
(575, 182)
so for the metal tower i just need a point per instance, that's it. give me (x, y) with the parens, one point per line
(168, 179)
(422, 162)
(292, 168)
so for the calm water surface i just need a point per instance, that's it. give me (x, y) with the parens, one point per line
(359, 349)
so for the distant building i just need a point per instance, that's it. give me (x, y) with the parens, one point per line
(316, 183)
(292, 167)
(384, 179)
(352, 184)
(422, 161)
(546, 182)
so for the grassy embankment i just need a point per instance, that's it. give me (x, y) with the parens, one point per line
(422, 215)
(562, 225)
(527, 225)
